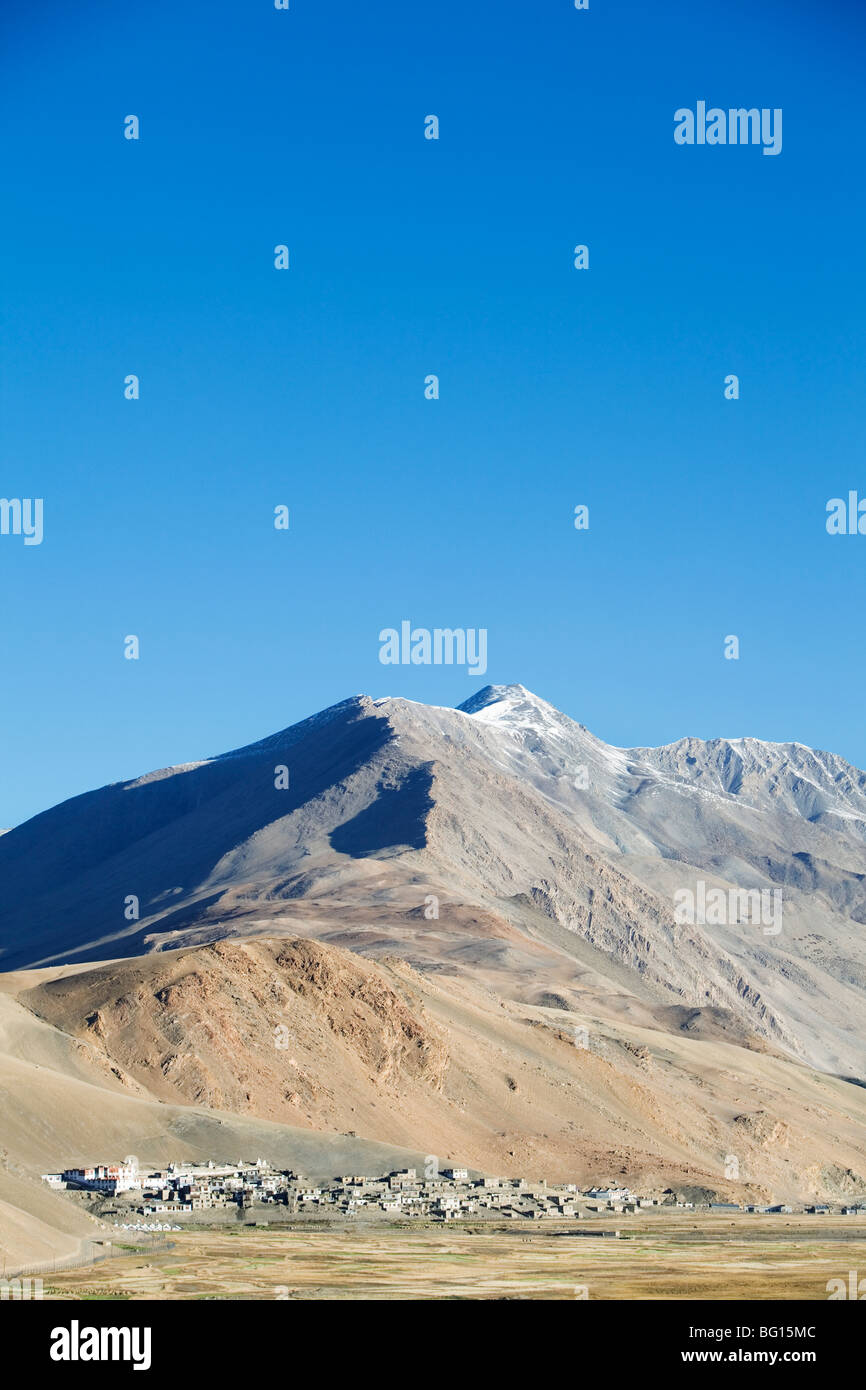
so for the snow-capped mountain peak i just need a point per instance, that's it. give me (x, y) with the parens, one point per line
(514, 705)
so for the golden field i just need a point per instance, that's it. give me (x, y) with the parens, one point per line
(688, 1256)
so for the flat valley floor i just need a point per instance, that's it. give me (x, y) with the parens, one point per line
(692, 1256)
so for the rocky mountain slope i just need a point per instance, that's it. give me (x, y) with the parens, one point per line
(305, 1036)
(544, 852)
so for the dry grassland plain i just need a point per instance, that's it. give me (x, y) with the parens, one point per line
(696, 1257)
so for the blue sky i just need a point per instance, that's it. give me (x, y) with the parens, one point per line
(409, 257)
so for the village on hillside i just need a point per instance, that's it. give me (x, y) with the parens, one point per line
(211, 1190)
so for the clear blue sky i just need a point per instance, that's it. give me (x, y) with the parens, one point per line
(411, 257)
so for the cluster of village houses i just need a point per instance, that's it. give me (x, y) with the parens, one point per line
(446, 1196)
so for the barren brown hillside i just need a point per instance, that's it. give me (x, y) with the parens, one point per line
(301, 1033)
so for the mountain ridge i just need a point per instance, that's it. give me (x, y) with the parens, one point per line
(503, 806)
